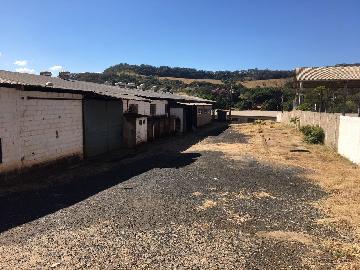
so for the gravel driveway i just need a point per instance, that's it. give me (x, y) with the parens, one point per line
(167, 208)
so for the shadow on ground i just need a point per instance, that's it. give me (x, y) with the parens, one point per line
(72, 184)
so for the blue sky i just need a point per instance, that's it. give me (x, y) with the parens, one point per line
(81, 35)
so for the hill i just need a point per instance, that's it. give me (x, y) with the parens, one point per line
(175, 78)
(252, 89)
(191, 73)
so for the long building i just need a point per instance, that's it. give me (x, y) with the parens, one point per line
(44, 118)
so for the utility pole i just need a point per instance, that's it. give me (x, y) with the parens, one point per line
(231, 100)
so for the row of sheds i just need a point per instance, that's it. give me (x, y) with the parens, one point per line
(44, 118)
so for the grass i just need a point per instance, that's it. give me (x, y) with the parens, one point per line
(273, 83)
(188, 81)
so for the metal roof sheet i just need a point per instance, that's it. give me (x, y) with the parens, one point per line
(195, 104)
(16, 78)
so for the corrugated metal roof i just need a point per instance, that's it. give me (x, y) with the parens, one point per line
(194, 104)
(16, 78)
(348, 73)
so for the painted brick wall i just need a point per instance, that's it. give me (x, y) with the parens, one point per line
(39, 127)
(9, 128)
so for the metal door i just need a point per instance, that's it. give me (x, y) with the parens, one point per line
(103, 126)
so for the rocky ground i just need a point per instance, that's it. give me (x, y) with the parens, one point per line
(212, 200)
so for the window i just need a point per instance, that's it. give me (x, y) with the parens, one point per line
(133, 108)
(152, 109)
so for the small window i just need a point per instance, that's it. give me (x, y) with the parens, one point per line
(133, 108)
(152, 109)
(140, 122)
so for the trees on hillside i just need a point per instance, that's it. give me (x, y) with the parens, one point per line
(191, 73)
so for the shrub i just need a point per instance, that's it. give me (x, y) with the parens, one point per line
(313, 134)
(304, 107)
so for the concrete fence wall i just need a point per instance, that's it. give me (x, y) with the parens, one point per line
(349, 138)
(328, 121)
(341, 132)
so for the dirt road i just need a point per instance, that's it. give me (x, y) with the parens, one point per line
(234, 198)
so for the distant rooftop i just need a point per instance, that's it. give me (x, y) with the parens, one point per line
(338, 73)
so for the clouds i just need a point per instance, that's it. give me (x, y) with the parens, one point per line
(56, 68)
(21, 63)
(26, 70)
(22, 67)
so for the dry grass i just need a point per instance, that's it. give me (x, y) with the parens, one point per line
(287, 236)
(207, 204)
(276, 83)
(188, 81)
(271, 143)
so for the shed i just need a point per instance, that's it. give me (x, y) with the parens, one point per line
(135, 129)
(44, 119)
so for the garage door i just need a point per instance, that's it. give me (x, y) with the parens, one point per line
(103, 126)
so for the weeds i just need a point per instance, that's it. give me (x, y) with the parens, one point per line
(313, 134)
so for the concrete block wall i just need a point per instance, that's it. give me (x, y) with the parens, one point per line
(160, 106)
(143, 106)
(328, 121)
(349, 138)
(38, 127)
(203, 118)
(341, 132)
(141, 130)
(9, 129)
(179, 114)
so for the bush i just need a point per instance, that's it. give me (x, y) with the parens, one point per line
(313, 134)
(304, 107)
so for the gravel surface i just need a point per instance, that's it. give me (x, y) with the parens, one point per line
(168, 209)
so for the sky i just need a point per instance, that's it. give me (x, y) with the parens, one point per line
(81, 35)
